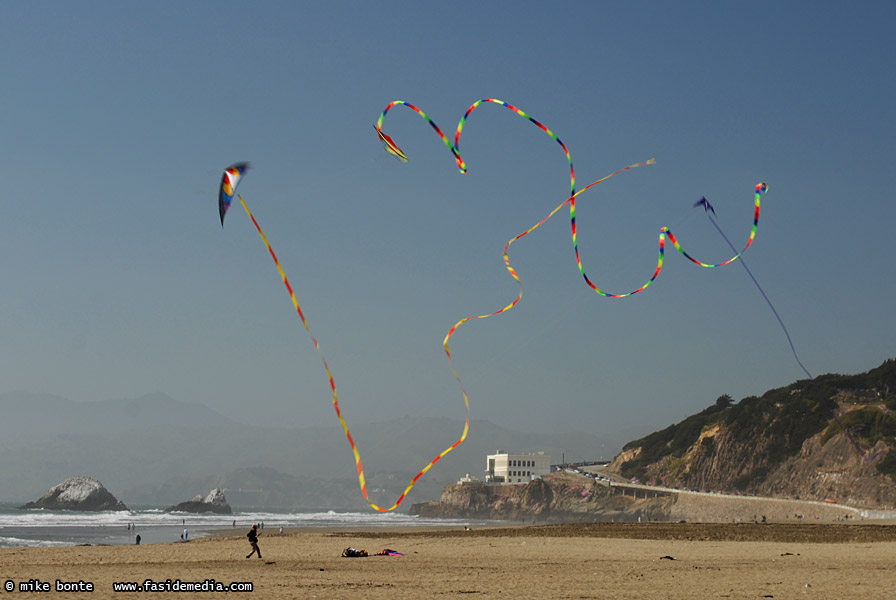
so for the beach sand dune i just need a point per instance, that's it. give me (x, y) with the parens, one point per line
(634, 561)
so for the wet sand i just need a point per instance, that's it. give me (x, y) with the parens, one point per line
(649, 560)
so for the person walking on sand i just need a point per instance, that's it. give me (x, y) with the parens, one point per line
(253, 541)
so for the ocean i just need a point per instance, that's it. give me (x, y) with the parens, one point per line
(22, 528)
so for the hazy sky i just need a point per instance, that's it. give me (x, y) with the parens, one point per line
(118, 279)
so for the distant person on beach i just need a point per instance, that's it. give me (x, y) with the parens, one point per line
(186, 536)
(138, 539)
(253, 541)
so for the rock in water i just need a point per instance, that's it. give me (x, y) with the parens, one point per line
(215, 502)
(78, 493)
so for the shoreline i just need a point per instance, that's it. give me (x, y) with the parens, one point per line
(602, 560)
(35, 528)
(818, 533)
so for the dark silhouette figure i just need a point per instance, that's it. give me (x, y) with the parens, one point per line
(253, 541)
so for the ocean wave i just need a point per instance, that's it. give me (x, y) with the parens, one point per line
(154, 517)
(13, 542)
(22, 528)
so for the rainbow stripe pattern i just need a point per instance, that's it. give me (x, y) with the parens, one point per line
(393, 149)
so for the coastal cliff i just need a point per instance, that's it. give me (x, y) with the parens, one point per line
(559, 497)
(828, 439)
(571, 498)
(824, 447)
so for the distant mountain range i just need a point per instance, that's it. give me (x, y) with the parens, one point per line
(832, 437)
(155, 450)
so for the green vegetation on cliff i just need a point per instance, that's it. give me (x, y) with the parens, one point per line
(774, 427)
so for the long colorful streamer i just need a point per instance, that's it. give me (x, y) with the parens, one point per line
(230, 184)
(664, 231)
(326, 366)
(357, 455)
(392, 147)
(233, 174)
(323, 359)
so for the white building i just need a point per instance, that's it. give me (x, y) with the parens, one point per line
(516, 468)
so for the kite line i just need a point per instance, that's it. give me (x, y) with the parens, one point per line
(743, 263)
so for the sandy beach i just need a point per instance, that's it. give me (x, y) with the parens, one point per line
(649, 560)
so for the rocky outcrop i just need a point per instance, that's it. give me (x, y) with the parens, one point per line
(560, 497)
(833, 469)
(78, 493)
(215, 502)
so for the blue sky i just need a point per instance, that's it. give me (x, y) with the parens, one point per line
(119, 117)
